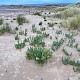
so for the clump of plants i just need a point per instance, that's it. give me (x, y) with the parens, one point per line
(33, 25)
(34, 28)
(26, 39)
(45, 35)
(38, 32)
(58, 15)
(20, 45)
(76, 69)
(40, 55)
(21, 33)
(67, 61)
(66, 53)
(17, 37)
(51, 24)
(77, 47)
(50, 37)
(43, 29)
(37, 13)
(71, 12)
(37, 41)
(71, 39)
(69, 36)
(20, 20)
(73, 23)
(1, 21)
(59, 32)
(56, 44)
(6, 28)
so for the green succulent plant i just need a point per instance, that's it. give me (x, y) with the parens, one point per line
(37, 41)
(45, 35)
(20, 45)
(56, 44)
(17, 37)
(40, 55)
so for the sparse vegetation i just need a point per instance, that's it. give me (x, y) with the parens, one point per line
(65, 52)
(51, 24)
(20, 45)
(1, 21)
(67, 61)
(45, 35)
(67, 13)
(34, 29)
(73, 23)
(37, 41)
(56, 44)
(37, 13)
(43, 29)
(40, 55)
(21, 33)
(17, 37)
(6, 28)
(59, 32)
(20, 20)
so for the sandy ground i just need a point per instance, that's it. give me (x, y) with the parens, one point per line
(15, 66)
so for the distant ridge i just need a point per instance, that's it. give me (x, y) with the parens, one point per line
(75, 4)
(46, 4)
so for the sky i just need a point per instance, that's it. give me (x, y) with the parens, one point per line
(10, 2)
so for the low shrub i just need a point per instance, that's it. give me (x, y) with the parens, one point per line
(20, 45)
(40, 55)
(6, 28)
(66, 53)
(21, 33)
(34, 29)
(20, 20)
(58, 15)
(67, 61)
(38, 32)
(33, 25)
(77, 69)
(45, 35)
(73, 23)
(1, 21)
(69, 36)
(37, 13)
(17, 37)
(50, 24)
(71, 39)
(56, 44)
(59, 32)
(67, 13)
(37, 41)
(43, 29)
(26, 40)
